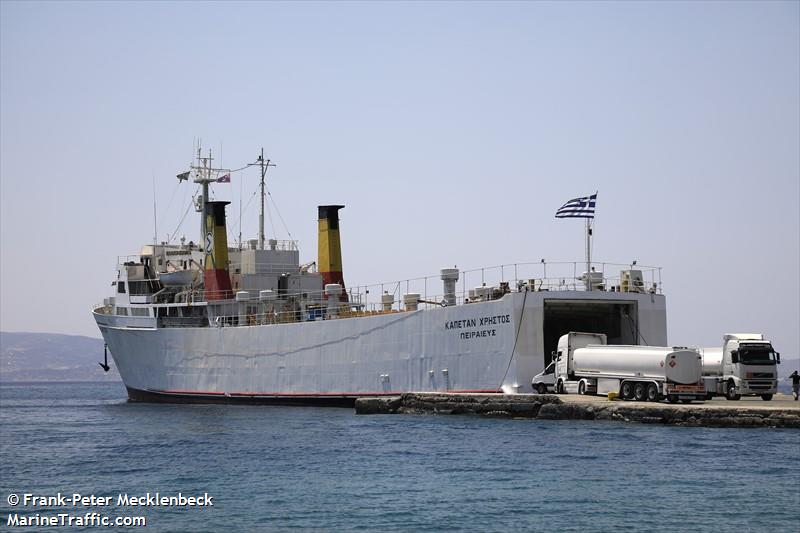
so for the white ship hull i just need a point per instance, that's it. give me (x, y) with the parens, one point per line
(490, 346)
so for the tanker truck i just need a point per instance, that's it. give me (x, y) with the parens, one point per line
(587, 365)
(745, 365)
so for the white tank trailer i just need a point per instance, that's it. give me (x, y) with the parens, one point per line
(745, 365)
(586, 365)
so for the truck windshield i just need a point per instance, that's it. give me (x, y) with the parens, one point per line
(757, 356)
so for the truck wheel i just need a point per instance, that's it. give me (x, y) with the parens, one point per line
(730, 392)
(541, 388)
(581, 388)
(672, 398)
(640, 392)
(652, 393)
(766, 397)
(626, 391)
(560, 387)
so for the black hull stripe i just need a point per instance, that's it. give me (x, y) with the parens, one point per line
(137, 395)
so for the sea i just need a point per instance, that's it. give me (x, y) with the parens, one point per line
(257, 468)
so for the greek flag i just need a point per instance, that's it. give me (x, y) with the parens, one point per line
(578, 208)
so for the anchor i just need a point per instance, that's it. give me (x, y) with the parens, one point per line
(105, 356)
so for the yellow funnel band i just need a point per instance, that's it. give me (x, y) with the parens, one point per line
(330, 249)
(329, 256)
(216, 238)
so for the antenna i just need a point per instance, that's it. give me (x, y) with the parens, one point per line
(155, 218)
(264, 164)
(241, 182)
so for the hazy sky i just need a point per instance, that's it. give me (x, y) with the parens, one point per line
(452, 132)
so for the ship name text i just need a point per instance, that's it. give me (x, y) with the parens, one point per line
(478, 322)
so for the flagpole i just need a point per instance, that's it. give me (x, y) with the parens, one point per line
(582, 208)
(588, 254)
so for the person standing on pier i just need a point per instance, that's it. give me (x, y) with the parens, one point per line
(795, 377)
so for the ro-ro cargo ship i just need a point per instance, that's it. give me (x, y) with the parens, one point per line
(209, 322)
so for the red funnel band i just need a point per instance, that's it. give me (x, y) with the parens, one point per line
(217, 284)
(335, 277)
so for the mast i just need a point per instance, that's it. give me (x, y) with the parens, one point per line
(203, 177)
(264, 164)
(203, 174)
(155, 233)
(155, 218)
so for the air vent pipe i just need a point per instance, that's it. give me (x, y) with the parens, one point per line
(449, 277)
(334, 292)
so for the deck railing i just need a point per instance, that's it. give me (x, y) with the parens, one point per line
(367, 299)
(542, 276)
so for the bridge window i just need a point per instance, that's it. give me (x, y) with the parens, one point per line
(140, 287)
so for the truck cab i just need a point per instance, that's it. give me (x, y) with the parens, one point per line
(567, 345)
(749, 366)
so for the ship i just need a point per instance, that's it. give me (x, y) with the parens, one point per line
(211, 322)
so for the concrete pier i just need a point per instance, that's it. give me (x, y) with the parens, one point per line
(781, 412)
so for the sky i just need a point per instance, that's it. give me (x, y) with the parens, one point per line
(451, 131)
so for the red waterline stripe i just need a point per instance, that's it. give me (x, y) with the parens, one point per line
(312, 394)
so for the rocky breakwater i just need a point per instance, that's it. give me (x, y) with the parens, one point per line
(505, 405)
(551, 407)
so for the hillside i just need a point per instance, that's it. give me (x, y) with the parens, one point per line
(52, 357)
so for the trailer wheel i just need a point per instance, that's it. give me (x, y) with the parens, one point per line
(541, 388)
(672, 398)
(766, 397)
(626, 390)
(652, 393)
(686, 400)
(581, 388)
(640, 392)
(730, 392)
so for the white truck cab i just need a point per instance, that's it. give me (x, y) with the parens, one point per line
(745, 366)
(567, 345)
(545, 381)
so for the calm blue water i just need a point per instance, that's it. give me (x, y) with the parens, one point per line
(281, 468)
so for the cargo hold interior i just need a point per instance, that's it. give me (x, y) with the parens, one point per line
(616, 319)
